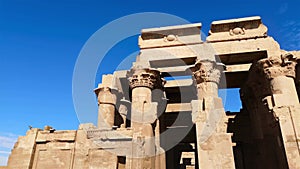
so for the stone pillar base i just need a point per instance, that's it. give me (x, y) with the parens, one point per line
(216, 152)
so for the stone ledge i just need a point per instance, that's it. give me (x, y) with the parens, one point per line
(44, 136)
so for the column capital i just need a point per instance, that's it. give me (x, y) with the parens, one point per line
(101, 88)
(278, 66)
(145, 77)
(206, 71)
(106, 95)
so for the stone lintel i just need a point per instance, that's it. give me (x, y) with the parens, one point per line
(231, 52)
(109, 134)
(235, 29)
(118, 141)
(178, 107)
(185, 29)
(238, 68)
(117, 147)
(237, 20)
(179, 83)
(46, 136)
(170, 36)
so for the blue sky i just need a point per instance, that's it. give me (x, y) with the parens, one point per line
(41, 40)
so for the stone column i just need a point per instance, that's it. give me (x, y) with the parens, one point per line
(283, 102)
(143, 116)
(107, 103)
(214, 145)
(280, 72)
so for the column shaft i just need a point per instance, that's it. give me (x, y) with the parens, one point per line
(143, 117)
(214, 145)
(284, 102)
(106, 110)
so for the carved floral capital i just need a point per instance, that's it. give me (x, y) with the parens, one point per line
(106, 95)
(278, 66)
(206, 71)
(145, 77)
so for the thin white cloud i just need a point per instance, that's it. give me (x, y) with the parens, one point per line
(291, 35)
(7, 141)
(283, 8)
(3, 160)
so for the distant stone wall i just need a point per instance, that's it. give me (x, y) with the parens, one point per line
(41, 149)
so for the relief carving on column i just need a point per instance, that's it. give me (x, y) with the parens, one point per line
(206, 71)
(278, 66)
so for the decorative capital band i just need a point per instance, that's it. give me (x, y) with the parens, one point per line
(278, 66)
(206, 71)
(106, 95)
(145, 77)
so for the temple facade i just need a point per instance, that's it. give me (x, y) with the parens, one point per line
(166, 112)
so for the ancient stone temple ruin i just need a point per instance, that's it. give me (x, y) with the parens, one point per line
(166, 112)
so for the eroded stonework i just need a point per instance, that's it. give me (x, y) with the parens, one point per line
(147, 120)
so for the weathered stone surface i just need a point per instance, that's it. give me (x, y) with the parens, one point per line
(23, 152)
